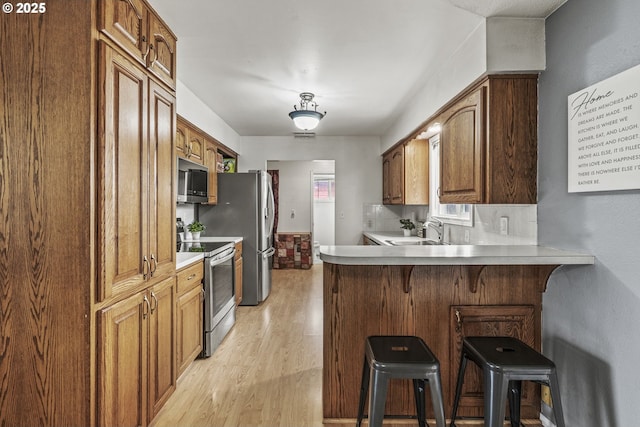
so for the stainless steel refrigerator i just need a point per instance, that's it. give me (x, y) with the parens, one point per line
(246, 208)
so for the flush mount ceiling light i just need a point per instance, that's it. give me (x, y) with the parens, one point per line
(306, 118)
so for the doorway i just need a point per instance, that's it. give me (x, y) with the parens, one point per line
(301, 182)
(324, 208)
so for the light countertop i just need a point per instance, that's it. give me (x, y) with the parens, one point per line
(452, 255)
(183, 259)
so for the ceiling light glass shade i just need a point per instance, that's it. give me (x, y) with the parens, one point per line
(305, 119)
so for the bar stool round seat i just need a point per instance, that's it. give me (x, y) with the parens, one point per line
(505, 363)
(409, 357)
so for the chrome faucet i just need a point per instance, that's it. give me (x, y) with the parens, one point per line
(437, 225)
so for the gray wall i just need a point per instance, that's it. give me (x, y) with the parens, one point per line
(591, 315)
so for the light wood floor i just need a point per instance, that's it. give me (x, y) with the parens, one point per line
(268, 370)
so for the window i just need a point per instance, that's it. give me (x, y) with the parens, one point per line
(324, 188)
(449, 213)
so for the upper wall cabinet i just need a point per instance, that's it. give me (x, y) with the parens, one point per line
(405, 174)
(489, 143)
(137, 29)
(196, 145)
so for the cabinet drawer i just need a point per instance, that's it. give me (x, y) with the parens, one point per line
(188, 276)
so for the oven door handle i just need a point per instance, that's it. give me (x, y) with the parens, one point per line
(216, 261)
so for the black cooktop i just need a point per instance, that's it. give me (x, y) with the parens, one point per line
(208, 248)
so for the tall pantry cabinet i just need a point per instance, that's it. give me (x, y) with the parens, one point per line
(87, 253)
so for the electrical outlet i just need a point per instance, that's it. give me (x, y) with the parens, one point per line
(504, 225)
(467, 236)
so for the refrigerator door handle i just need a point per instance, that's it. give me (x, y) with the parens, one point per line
(268, 252)
(271, 209)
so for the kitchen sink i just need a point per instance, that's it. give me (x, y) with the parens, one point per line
(427, 242)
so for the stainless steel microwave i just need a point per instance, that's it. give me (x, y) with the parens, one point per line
(193, 182)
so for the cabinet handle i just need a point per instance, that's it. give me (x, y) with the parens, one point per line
(146, 53)
(153, 264)
(155, 56)
(155, 299)
(458, 321)
(145, 268)
(146, 301)
(191, 277)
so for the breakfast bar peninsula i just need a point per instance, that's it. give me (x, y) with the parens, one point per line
(440, 293)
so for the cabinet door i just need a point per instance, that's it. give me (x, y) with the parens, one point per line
(122, 362)
(386, 179)
(123, 163)
(125, 22)
(162, 189)
(161, 59)
(462, 156)
(196, 146)
(211, 162)
(498, 320)
(162, 368)
(182, 139)
(189, 326)
(396, 181)
(416, 172)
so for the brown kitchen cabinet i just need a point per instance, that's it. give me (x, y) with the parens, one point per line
(194, 144)
(211, 162)
(190, 142)
(405, 174)
(137, 183)
(488, 143)
(393, 176)
(189, 315)
(136, 356)
(83, 354)
(492, 320)
(137, 29)
(238, 273)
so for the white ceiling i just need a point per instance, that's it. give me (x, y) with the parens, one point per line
(249, 59)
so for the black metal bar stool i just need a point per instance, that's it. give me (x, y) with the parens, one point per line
(389, 357)
(505, 363)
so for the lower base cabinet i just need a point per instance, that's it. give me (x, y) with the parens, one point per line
(190, 296)
(136, 356)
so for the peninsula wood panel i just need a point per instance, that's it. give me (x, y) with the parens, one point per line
(47, 272)
(377, 300)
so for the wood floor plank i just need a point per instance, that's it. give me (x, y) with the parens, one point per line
(268, 370)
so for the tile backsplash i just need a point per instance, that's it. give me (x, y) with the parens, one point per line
(522, 223)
